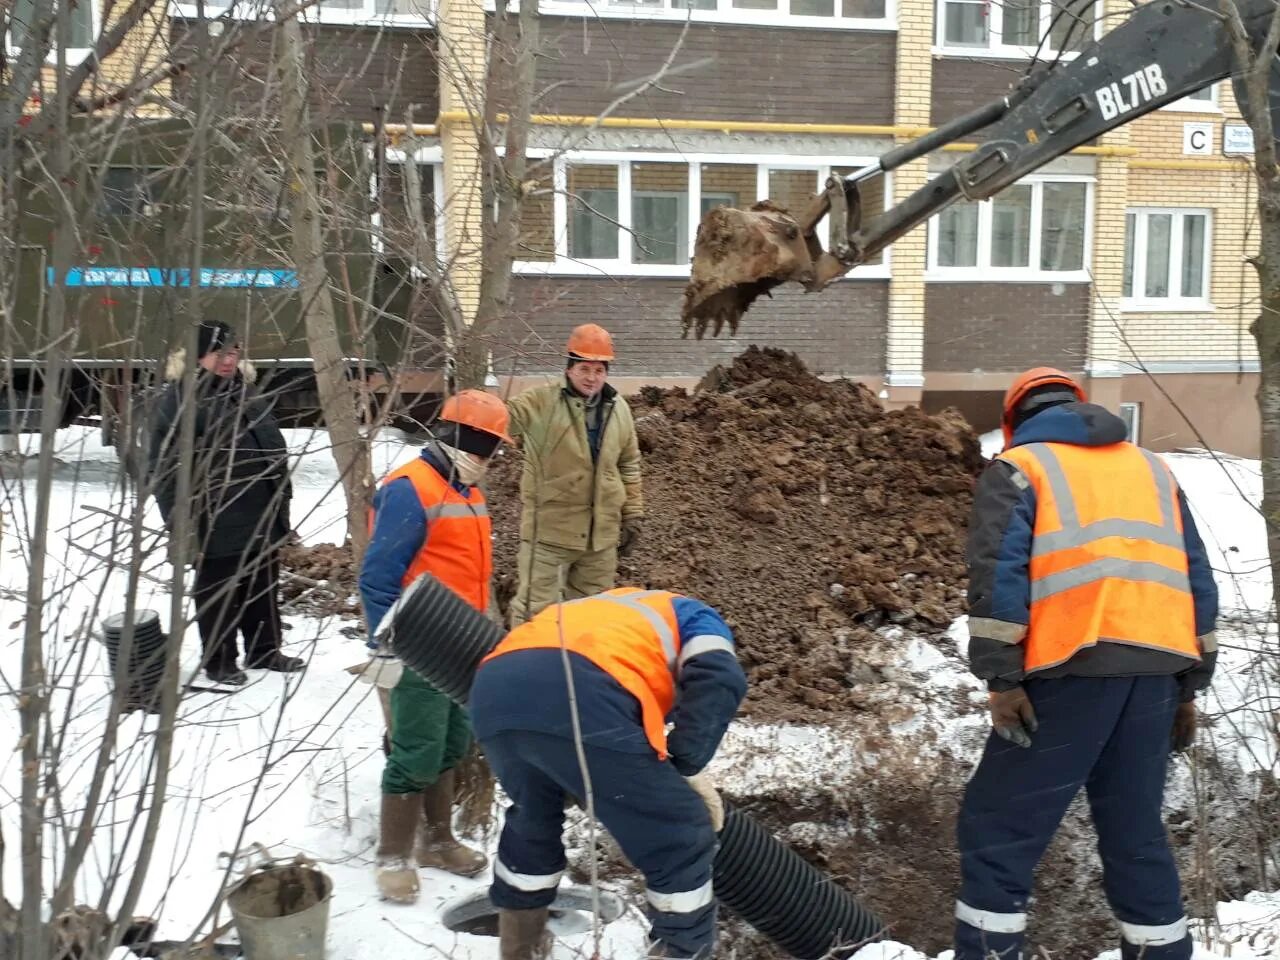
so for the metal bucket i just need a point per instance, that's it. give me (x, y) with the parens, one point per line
(282, 911)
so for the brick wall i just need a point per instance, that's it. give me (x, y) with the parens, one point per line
(721, 71)
(841, 333)
(961, 85)
(351, 69)
(1005, 326)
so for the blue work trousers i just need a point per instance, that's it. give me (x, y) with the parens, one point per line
(658, 820)
(1112, 736)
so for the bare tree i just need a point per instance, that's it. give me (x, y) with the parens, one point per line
(337, 399)
(1256, 65)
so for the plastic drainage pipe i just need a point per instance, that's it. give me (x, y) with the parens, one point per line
(145, 669)
(441, 637)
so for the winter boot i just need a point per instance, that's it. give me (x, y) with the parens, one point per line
(522, 934)
(397, 876)
(437, 846)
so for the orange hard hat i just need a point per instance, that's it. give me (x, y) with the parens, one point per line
(478, 410)
(1024, 384)
(591, 342)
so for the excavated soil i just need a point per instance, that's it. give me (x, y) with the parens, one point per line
(803, 511)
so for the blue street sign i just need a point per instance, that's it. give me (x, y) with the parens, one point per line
(253, 277)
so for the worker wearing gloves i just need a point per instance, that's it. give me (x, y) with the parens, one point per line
(1091, 615)
(580, 490)
(639, 659)
(428, 517)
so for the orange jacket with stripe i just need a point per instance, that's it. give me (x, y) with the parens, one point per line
(672, 655)
(1084, 560)
(420, 523)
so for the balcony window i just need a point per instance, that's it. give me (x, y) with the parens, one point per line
(1036, 229)
(1016, 28)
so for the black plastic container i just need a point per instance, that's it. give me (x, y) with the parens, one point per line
(145, 668)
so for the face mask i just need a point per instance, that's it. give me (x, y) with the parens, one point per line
(470, 468)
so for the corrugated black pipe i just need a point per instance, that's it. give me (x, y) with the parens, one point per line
(442, 638)
(146, 657)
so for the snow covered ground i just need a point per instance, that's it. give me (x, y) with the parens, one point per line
(293, 763)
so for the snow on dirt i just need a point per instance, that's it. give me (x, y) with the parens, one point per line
(317, 738)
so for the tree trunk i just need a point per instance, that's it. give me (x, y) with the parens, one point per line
(337, 399)
(1266, 333)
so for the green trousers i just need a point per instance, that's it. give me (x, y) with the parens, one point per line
(429, 735)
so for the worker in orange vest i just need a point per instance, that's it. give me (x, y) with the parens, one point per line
(1091, 617)
(637, 660)
(428, 516)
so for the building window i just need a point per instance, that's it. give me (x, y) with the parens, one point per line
(816, 13)
(409, 13)
(82, 35)
(130, 191)
(1131, 414)
(1166, 257)
(1016, 27)
(1035, 228)
(1204, 100)
(638, 214)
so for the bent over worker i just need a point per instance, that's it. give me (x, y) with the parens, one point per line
(428, 517)
(1091, 614)
(638, 659)
(581, 501)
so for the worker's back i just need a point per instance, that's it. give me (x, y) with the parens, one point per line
(1108, 562)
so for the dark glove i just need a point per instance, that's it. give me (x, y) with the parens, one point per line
(1012, 716)
(629, 536)
(1184, 726)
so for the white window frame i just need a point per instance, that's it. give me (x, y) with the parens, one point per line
(431, 156)
(1135, 435)
(996, 48)
(724, 13)
(1187, 105)
(75, 55)
(317, 13)
(983, 272)
(622, 266)
(1170, 304)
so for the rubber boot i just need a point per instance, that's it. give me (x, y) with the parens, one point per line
(437, 846)
(397, 876)
(522, 934)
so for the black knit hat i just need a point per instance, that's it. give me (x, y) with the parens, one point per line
(465, 438)
(212, 337)
(1039, 399)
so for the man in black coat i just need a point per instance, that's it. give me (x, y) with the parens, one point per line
(240, 503)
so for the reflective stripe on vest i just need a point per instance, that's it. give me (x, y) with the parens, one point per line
(630, 634)
(458, 547)
(1108, 560)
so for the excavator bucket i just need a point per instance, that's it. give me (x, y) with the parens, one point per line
(737, 256)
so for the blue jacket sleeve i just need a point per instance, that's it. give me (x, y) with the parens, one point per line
(709, 689)
(1204, 596)
(1001, 529)
(399, 530)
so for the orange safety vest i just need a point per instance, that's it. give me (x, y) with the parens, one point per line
(458, 547)
(1108, 558)
(630, 634)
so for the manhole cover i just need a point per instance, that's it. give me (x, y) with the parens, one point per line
(570, 912)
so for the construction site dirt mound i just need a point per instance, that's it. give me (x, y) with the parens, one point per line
(800, 508)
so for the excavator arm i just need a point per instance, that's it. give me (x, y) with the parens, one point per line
(1165, 50)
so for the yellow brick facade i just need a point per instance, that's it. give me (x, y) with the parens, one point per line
(1160, 174)
(904, 347)
(462, 75)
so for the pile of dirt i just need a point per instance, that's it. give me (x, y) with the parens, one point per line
(803, 511)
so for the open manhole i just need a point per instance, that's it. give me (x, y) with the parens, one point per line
(570, 912)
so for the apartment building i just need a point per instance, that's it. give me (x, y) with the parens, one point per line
(1122, 262)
